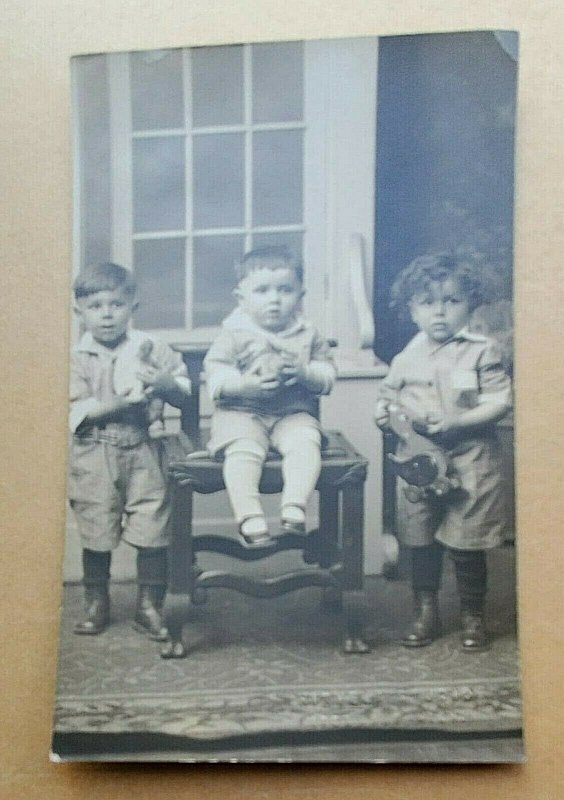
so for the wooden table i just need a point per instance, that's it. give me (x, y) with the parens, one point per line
(333, 553)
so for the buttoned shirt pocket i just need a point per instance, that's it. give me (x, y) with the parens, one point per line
(464, 383)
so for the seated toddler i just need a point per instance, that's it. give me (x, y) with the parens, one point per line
(265, 372)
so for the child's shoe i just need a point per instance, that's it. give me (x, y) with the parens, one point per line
(293, 520)
(148, 618)
(253, 532)
(297, 528)
(97, 614)
(426, 626)
(474, 636)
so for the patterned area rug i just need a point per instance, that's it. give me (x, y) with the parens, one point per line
(265, 666)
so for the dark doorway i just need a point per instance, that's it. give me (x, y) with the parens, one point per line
(444, 167)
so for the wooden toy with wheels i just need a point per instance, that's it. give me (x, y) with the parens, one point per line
(423, 464)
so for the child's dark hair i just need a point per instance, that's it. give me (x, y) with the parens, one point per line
(269, 257)
(102, 278)
(417, 277)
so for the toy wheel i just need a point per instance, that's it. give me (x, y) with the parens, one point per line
(199, 596)
(413, 494)
(441, 487)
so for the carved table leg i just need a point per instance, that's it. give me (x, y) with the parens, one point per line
(332, 597)
(176, 611)
(354, 618)
(353, 568)
(180, 571)
(332, 600)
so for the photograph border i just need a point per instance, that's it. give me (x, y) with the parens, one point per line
(37, 212)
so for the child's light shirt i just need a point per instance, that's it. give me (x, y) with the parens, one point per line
(427, 377)
(92, 377)
(242, 346)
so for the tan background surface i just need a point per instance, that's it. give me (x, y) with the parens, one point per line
(38, 38)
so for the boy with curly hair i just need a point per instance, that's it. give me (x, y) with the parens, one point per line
(452, 384)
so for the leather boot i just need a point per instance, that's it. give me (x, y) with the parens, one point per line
(148, 619)
(426, 625)
(474, 636)
(97, 614)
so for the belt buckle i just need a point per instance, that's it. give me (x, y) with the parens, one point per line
(102, 435)
(112, 438)
(130, 440)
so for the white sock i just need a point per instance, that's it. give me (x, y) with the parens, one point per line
(242, 469)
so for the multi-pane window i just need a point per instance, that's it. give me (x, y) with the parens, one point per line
(217, 142)
(186, 158)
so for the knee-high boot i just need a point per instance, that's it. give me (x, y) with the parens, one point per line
(471, 578)
(96, 570)
(151, 591)
(426, 570)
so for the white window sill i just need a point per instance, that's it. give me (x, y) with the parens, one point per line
(357, 364)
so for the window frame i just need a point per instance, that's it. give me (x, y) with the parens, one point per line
(339, 124)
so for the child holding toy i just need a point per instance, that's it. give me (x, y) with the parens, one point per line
(453, 386)
(120, 379)
(265, 373)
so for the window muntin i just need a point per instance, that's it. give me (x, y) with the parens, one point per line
(226, 177)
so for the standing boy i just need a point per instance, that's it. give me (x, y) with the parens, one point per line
(117, 483)
(451, 382)
(265, 373)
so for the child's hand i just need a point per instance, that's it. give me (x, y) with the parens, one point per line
(293, 372)
(381, 414)
(434, 425)
(253, 385)
(157, 382)
(268, 385)
(250, 386)
(123, 403)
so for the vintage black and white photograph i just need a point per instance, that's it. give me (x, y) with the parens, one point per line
(290, 526)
